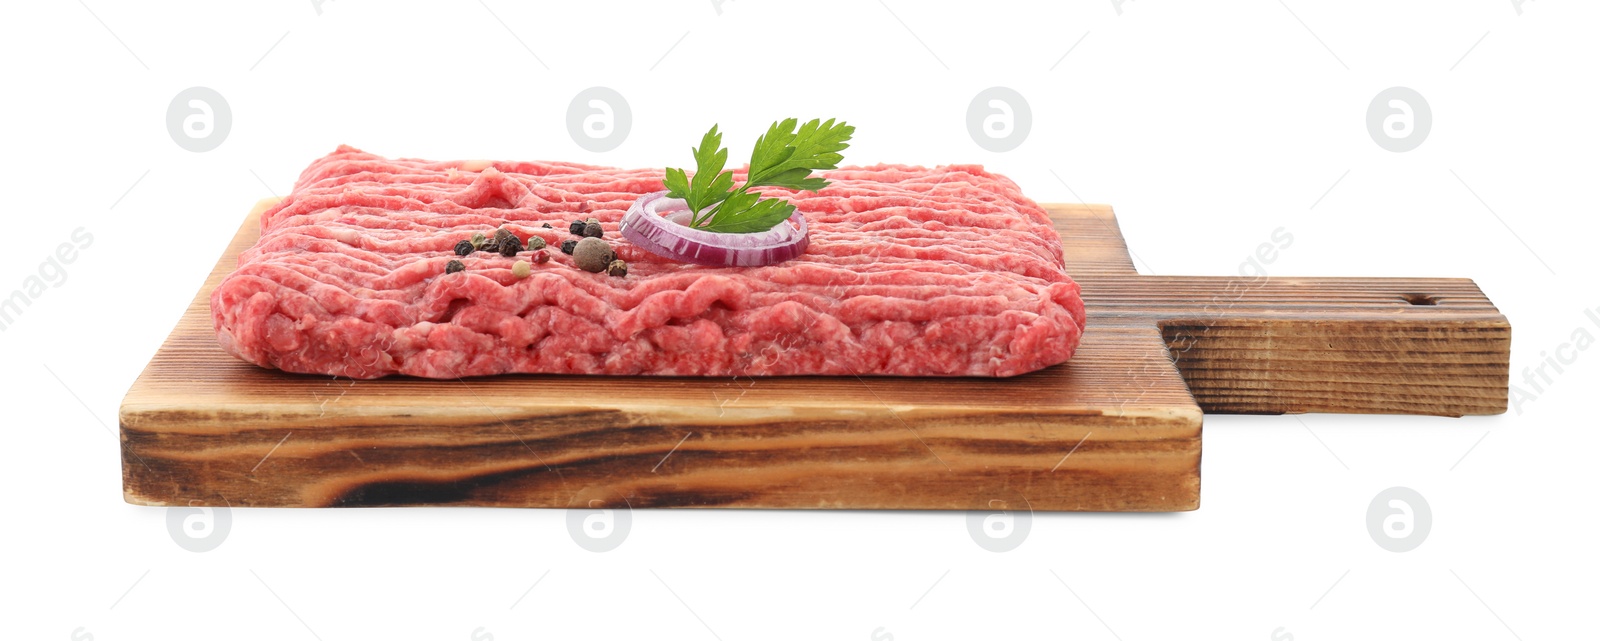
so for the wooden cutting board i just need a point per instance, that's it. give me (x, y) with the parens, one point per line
(1115, 429)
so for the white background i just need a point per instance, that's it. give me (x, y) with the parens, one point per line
(1207, 126)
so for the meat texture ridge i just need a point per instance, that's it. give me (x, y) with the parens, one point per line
(911, 271)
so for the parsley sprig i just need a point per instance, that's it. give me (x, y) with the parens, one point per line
(782, 158)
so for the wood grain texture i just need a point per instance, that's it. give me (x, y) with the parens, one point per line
(1115, 429)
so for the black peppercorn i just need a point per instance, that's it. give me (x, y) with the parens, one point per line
(547, 226)
(453, 267)
(577, 227)
(593, 230)
(510, 246)
(567, 246)
(464, 247)
(617, 268)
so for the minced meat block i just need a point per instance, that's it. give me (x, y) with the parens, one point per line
(948, 271)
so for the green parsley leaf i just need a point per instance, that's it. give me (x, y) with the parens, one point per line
(711, 185)
(783, 157)
(759, 216)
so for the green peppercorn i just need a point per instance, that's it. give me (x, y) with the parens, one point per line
(617, 268)
(464, 247)
(577, 227)
(453, 267)
(593, 230)
(478, 240)
(568, 245)
(535, 242)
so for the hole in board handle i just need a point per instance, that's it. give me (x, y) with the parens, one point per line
(1420, 299)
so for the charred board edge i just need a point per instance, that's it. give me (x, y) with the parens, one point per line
(1103, 463)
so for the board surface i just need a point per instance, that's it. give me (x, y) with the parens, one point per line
(1117, 428)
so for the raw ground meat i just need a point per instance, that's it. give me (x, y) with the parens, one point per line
(911, 271)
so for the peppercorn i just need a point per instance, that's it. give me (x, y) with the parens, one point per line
(617, 268)
(501, 234)
(593, 230)
(521, 269)
(541, 257)
(478, 240)
(535, 242)
(453, 267)
(510, 246)
(547, 226)
(593, 221)
(464, 247)
(577, 227)
(568, 245)
(592, 255)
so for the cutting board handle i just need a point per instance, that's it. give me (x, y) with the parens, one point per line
(1271, 345)
(1367, 345)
